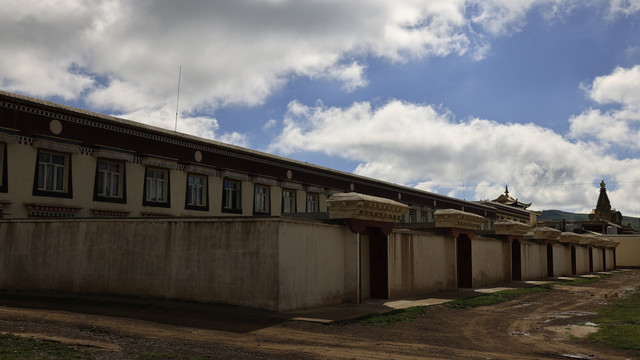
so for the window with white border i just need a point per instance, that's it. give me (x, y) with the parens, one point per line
(156, 187)
(232, 196)
(196, 198)
(312, 202)
(261, 199)
(110, 181)
(288, 201)
(53, 174)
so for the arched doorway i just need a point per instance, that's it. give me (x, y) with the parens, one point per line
(573, 260)
(590, 259)
(463, 255)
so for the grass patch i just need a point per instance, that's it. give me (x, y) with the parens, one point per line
(619, 323)
(494, 298)
(15, 347)
(392, 317)
(504, 295)
(586, 281)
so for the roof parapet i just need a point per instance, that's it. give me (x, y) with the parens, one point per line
(365, 207)
(450, 218)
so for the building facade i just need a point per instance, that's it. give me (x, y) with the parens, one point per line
(95, 204)
(59, 161)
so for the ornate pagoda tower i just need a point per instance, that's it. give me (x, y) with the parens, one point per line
(603, 208)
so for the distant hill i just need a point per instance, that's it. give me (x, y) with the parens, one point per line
(557, 215)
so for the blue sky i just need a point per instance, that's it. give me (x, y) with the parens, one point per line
(457, 97)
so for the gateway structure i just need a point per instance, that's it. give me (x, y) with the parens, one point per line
(98, 204)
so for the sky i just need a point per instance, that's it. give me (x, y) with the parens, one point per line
(456, 97)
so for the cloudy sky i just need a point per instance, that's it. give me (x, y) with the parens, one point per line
(455, 97)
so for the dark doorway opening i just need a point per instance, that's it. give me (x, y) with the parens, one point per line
(573, 260)
(463, 254)
(549, 260)
(615, 264)
(378, 265)
(590, 259)
(516, 261)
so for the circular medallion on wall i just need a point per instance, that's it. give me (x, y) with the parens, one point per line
(55, 126)
(289, 174)
(352, 187)
(198, 156)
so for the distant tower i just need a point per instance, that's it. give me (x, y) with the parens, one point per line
(603, 208)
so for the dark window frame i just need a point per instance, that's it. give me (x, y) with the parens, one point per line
(205, 195)
(69, 178)
(167, 185)
(316, 206)
(234, 210)
(294, 202)
(267, 200)
(122, 199)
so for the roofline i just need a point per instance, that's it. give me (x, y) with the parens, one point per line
(235, 148)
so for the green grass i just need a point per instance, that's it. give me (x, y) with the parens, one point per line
(619, 323)
(585, 281)
(392, 317)
(504, 295)
(17, 348)
(494, 298)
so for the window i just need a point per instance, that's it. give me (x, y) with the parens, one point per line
(197, 192)
(231, 196)
(109, 183)
(261, 199)
(156, 189)
(312, 202)
(53, 175)
(412, 215)
(288, 201)
(51, 169)
(3, 168)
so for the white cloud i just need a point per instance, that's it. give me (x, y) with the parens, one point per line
(622, 86)
(619, 126)
(270, 124)
(426, 147)
(624, 7)
(123, 56)
(201, 126)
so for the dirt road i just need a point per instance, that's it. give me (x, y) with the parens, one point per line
(536, 326)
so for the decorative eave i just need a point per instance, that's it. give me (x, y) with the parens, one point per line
(365, 207)
(545, 233)
(450, 218)
(4, 204)
(160, 161)
(56, 144)
(51, 210)
(588, 240)
(109, 213)
(570, 238)
(102, 151)
(604, 242)
(509, 227)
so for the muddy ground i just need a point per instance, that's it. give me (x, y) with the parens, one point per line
(535, 326)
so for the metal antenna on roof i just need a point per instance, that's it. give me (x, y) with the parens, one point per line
(178, 99)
